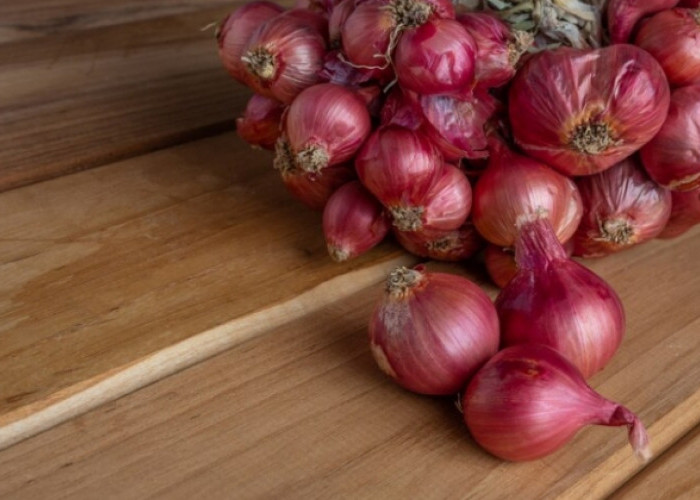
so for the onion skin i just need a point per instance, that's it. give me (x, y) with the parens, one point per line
(431, 331)
(623, 16)
(496, 55)
(685, 213)
(455, 123)
(435, 58)
(672, 157)
(448, 246)
(622, 207)
(353, 222)
(528, 401)
(235, 31)
(673, 38)
(260, 124)
(446, 205)
(583, 111)
(401, 108)
(500, 262)
(557, 302)
(326, 124)
(341, 11)
(283, 57)
(513, 186)
(398, 165)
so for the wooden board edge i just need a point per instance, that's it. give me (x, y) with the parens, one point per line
(80, 398)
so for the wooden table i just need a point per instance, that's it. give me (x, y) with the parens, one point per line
(171, 326)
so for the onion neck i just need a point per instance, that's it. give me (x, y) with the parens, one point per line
(618, 231)
(613, 414)
(537, 244)
(283, 160)
(411, 13)
(407, 218)
(592, 138)
(312, 159)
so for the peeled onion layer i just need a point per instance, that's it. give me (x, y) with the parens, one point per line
(582, 111)
(261, 124)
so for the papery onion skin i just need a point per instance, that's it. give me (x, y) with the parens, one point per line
(582, 111)
(623, 16)
(528, 401)
(326, 124)
(283, 57)
(456, 123)
(497, 53)
(341, 11)
(235, 31)
(685, 213)
(435, 58)
(673, 38)
(672, 157)
(431, 331)
(353, 222)
(260, 124)
(398, 165)
(316, 20)
(312, 189)
(557, 302)
(622, 207)
(401, 108)
(449, 246)
(514, 185)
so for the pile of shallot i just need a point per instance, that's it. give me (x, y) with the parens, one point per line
(517, 133)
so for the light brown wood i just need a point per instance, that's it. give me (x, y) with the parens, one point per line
(673, 475)
(303, 413)
(104, 268)
(119, 79)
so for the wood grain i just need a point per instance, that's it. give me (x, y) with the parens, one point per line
(673, 475)
(303, 413)
(126, 79)
(104, 268)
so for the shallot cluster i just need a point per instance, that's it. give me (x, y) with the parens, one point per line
(483, 134)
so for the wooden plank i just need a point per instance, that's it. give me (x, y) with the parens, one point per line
(673, 475)
(132, 80)
(45, 18)
(303, 413)
(103, 269)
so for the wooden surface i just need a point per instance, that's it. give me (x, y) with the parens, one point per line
(172, 309)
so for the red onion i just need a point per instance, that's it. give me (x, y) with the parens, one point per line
(338, 16)
(513, 186)
(353, 222)
(673, 38)
(445, 207)
(450, 246)
(685, 213)
(235, 31)
(316, 20)
(528, 401)
(435, 58)
(455, 123)
(398, 165)
(312, 189)
(583, 111)
(622, 207)
(498, 50)
(623, 15)
(555, 301)
(260, 124)
(672, 158)
(500, 264)
(372, 30)
(326, 124)
(693, 4)
(431, 331)
(283, 57)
